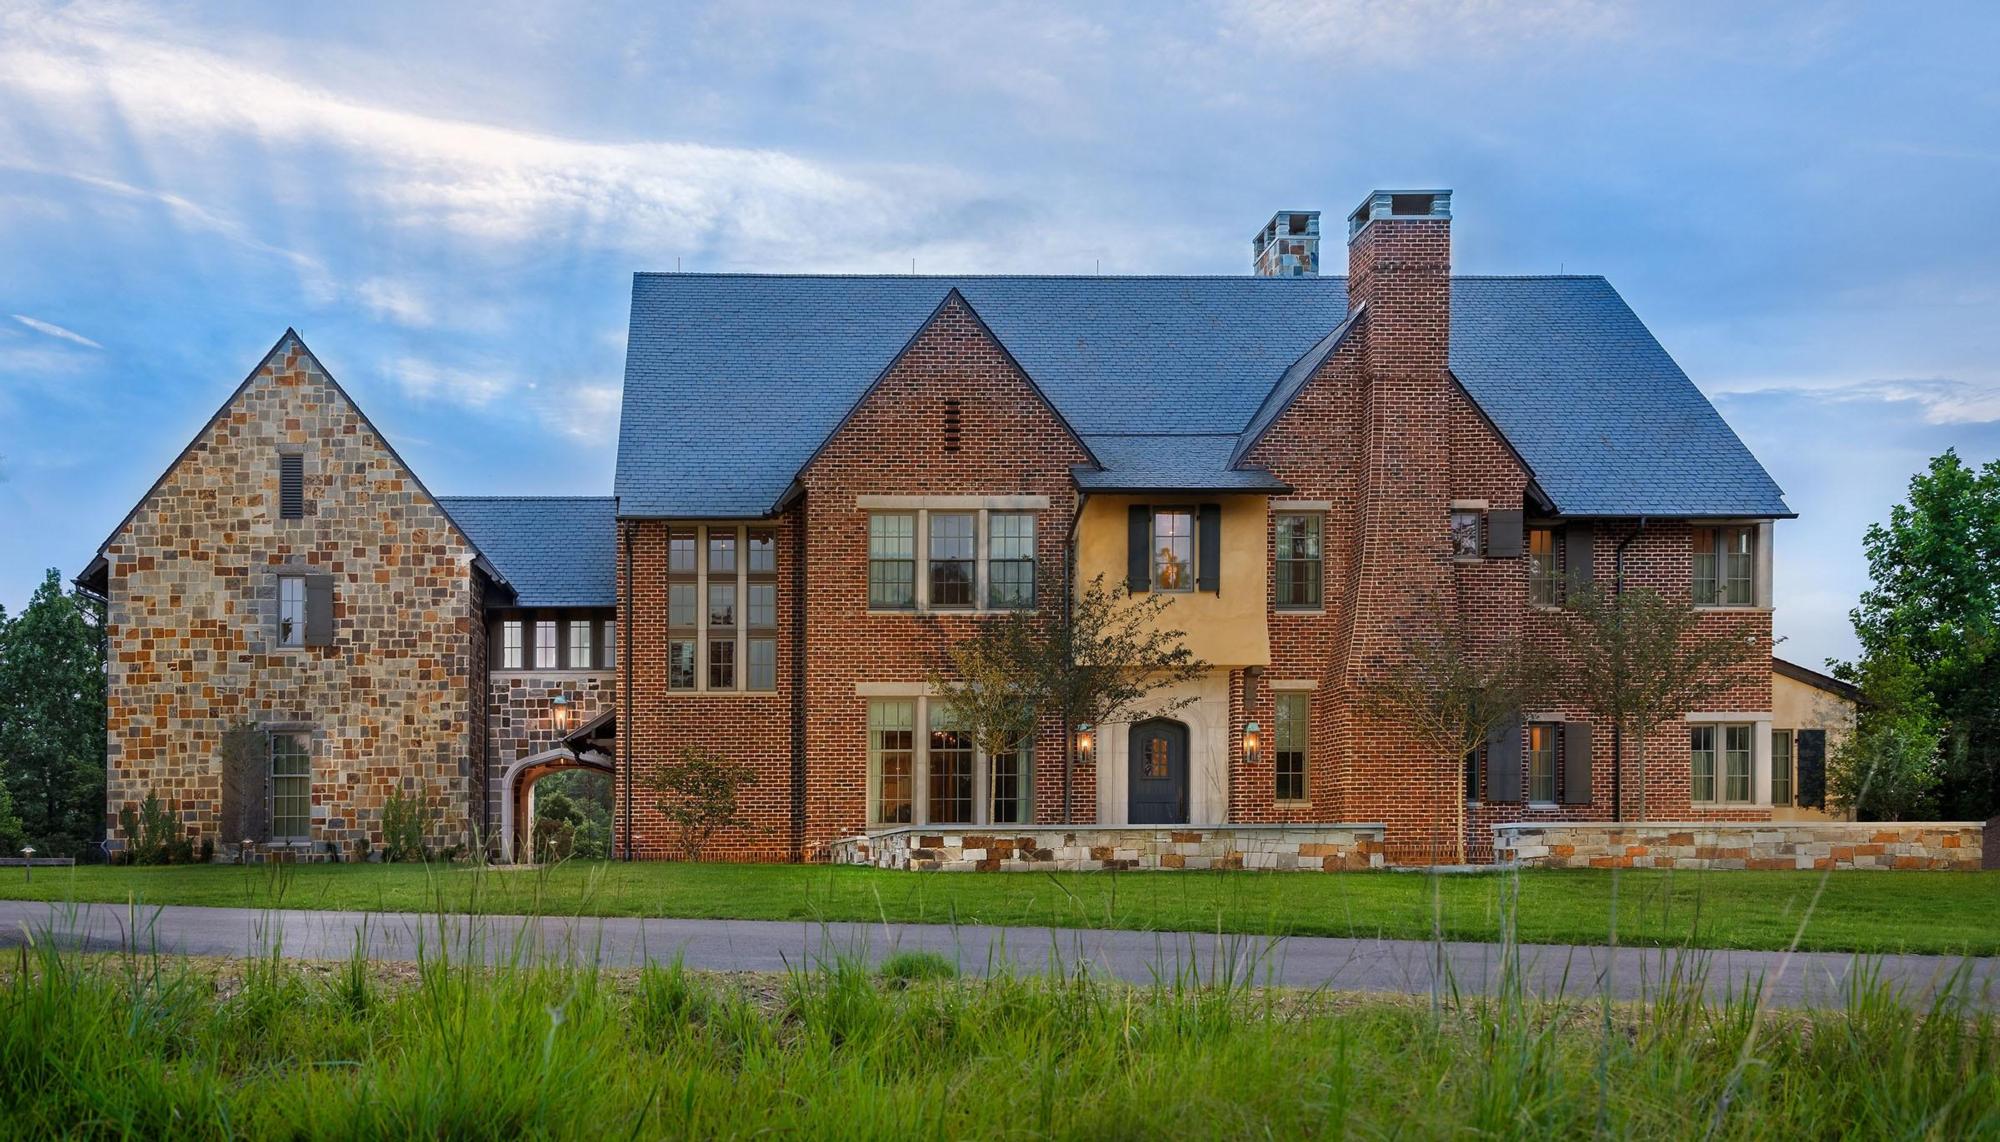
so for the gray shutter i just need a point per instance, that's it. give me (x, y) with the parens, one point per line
(1138, 548)
(1576, 763)
(246, 764)
(1579, 547)
(1503, 534)
(1811, 745)
(1208, 540)
(1503, 761)
(319, 610)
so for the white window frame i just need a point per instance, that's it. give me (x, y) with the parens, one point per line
(292, 590)
(925, 706)
(549, 648)
(583, 627)
(272, 777)
(1760, 758)
(1762, 535)
(982, 508)
(512, 644)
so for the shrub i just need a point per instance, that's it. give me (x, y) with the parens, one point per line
(698, 795)
(406, 823)
(153, 835)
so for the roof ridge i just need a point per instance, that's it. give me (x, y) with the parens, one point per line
(533, 496)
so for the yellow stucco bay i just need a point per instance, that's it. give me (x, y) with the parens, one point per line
(1226, 629)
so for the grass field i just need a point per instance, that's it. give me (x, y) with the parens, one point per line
(1874, 912)
(139, 1047)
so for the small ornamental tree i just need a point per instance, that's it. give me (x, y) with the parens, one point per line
(1107, 660)
(1451, 694)
(699, 792)
(1638, 659)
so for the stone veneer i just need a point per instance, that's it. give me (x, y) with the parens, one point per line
(520, 717)
(1762, 845)
(1308, 848)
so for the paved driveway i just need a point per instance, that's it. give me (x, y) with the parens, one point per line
(1397, 966)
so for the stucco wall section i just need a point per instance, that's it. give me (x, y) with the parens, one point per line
(1223, 628)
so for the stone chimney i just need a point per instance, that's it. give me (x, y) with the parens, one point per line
(1288, 245)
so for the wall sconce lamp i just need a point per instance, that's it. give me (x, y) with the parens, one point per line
(1086, 744)
(559, 712)
(1253, 743)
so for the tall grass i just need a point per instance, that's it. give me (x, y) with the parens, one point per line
(477, 1042)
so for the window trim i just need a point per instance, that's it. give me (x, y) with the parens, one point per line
(1761, 535)
(271, 779)
(1278, 562)
(1719, 776)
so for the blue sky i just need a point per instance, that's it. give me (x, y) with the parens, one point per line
(1798, 199)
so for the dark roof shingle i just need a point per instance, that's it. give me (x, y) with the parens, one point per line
(556, 551)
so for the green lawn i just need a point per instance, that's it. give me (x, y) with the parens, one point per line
(1860, 911)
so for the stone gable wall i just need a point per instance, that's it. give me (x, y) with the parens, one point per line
(392, 703)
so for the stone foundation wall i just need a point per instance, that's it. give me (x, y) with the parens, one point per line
(1763, 845)
(1311, 848)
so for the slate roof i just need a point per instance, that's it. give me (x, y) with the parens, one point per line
(1171, 464)
(556, 551)
(732, 381)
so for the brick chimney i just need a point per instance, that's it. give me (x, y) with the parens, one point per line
(1288, 245)
(1399, 265)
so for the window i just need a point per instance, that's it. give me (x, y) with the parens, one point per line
(762, 611)
(680, 664)
(610, 644)
(1293, 730)
(892, 750)
(1722, 761)
(954, 543)
(1782, 760)
(892, 561)
(1012, 782)
(762, 664)
(1465, 533)
(1157, 762)
(545, 644)
(1010, 565)
(1298, 566)
(1725, 566)
(510, 644)
(680, 552)
(291, 486)
(1543, 579)
(950, 771)
(763, 549)
(579, 644)
(722, 663)
(1542, 762)
(721, 551)
(291, 610)
(722, 603)
(680, 604)
(291, 788)
(1173, 550)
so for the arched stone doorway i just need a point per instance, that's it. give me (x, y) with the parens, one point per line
(517, 794)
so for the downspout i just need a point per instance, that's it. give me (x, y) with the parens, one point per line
(1618, 730)
(626, 730)
(1068, 607)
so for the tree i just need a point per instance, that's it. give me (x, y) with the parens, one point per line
(1107, 660)
(1637, 658)
(1934, 605)
(698, 794)
(573, 815)
(52, 718)
(1451, 694)
(1889, 768)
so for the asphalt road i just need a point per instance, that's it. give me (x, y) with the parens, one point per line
(1339, 964)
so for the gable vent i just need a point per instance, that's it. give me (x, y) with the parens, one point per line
(951, 424)
(292, 486)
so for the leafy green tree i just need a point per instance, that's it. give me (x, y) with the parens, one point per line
(1638, 659)
(1109, 662)
(52, 718)
(573, 815)
(1934, 607)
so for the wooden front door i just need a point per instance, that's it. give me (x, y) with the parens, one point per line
(1159, 779)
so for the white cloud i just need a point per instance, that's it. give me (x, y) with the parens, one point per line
(1943, 400)
(1409, 30)
(586, 412)
(428, 380)
(54, 330)
(397, 301)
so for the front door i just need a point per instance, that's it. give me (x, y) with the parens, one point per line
(1159, 780)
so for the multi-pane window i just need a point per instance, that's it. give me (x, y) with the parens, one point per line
(722, 603)
(721, 608)
(680, 664)
(761, 664)
(1173, 549)
(892, 748)
(681, 604)
(721, 551)
(1541, 762)
(762, 545)
(291, 610)
(579, 643)
(1782, 761)
(1010, 561)
(610, 642)
(1465, 528)
(1011, 781)
(510, 645)
(291, 788)
(721, 663)
(1544, 583)
(761, 611)
(545, 644)
(1725, 566)
(954, 547)
(892, 560)
(1298, 561)
(1292, 732)
(681, 551)
(1721, 757)
(950, 756)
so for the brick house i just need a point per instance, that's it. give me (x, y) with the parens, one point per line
(823, 480)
